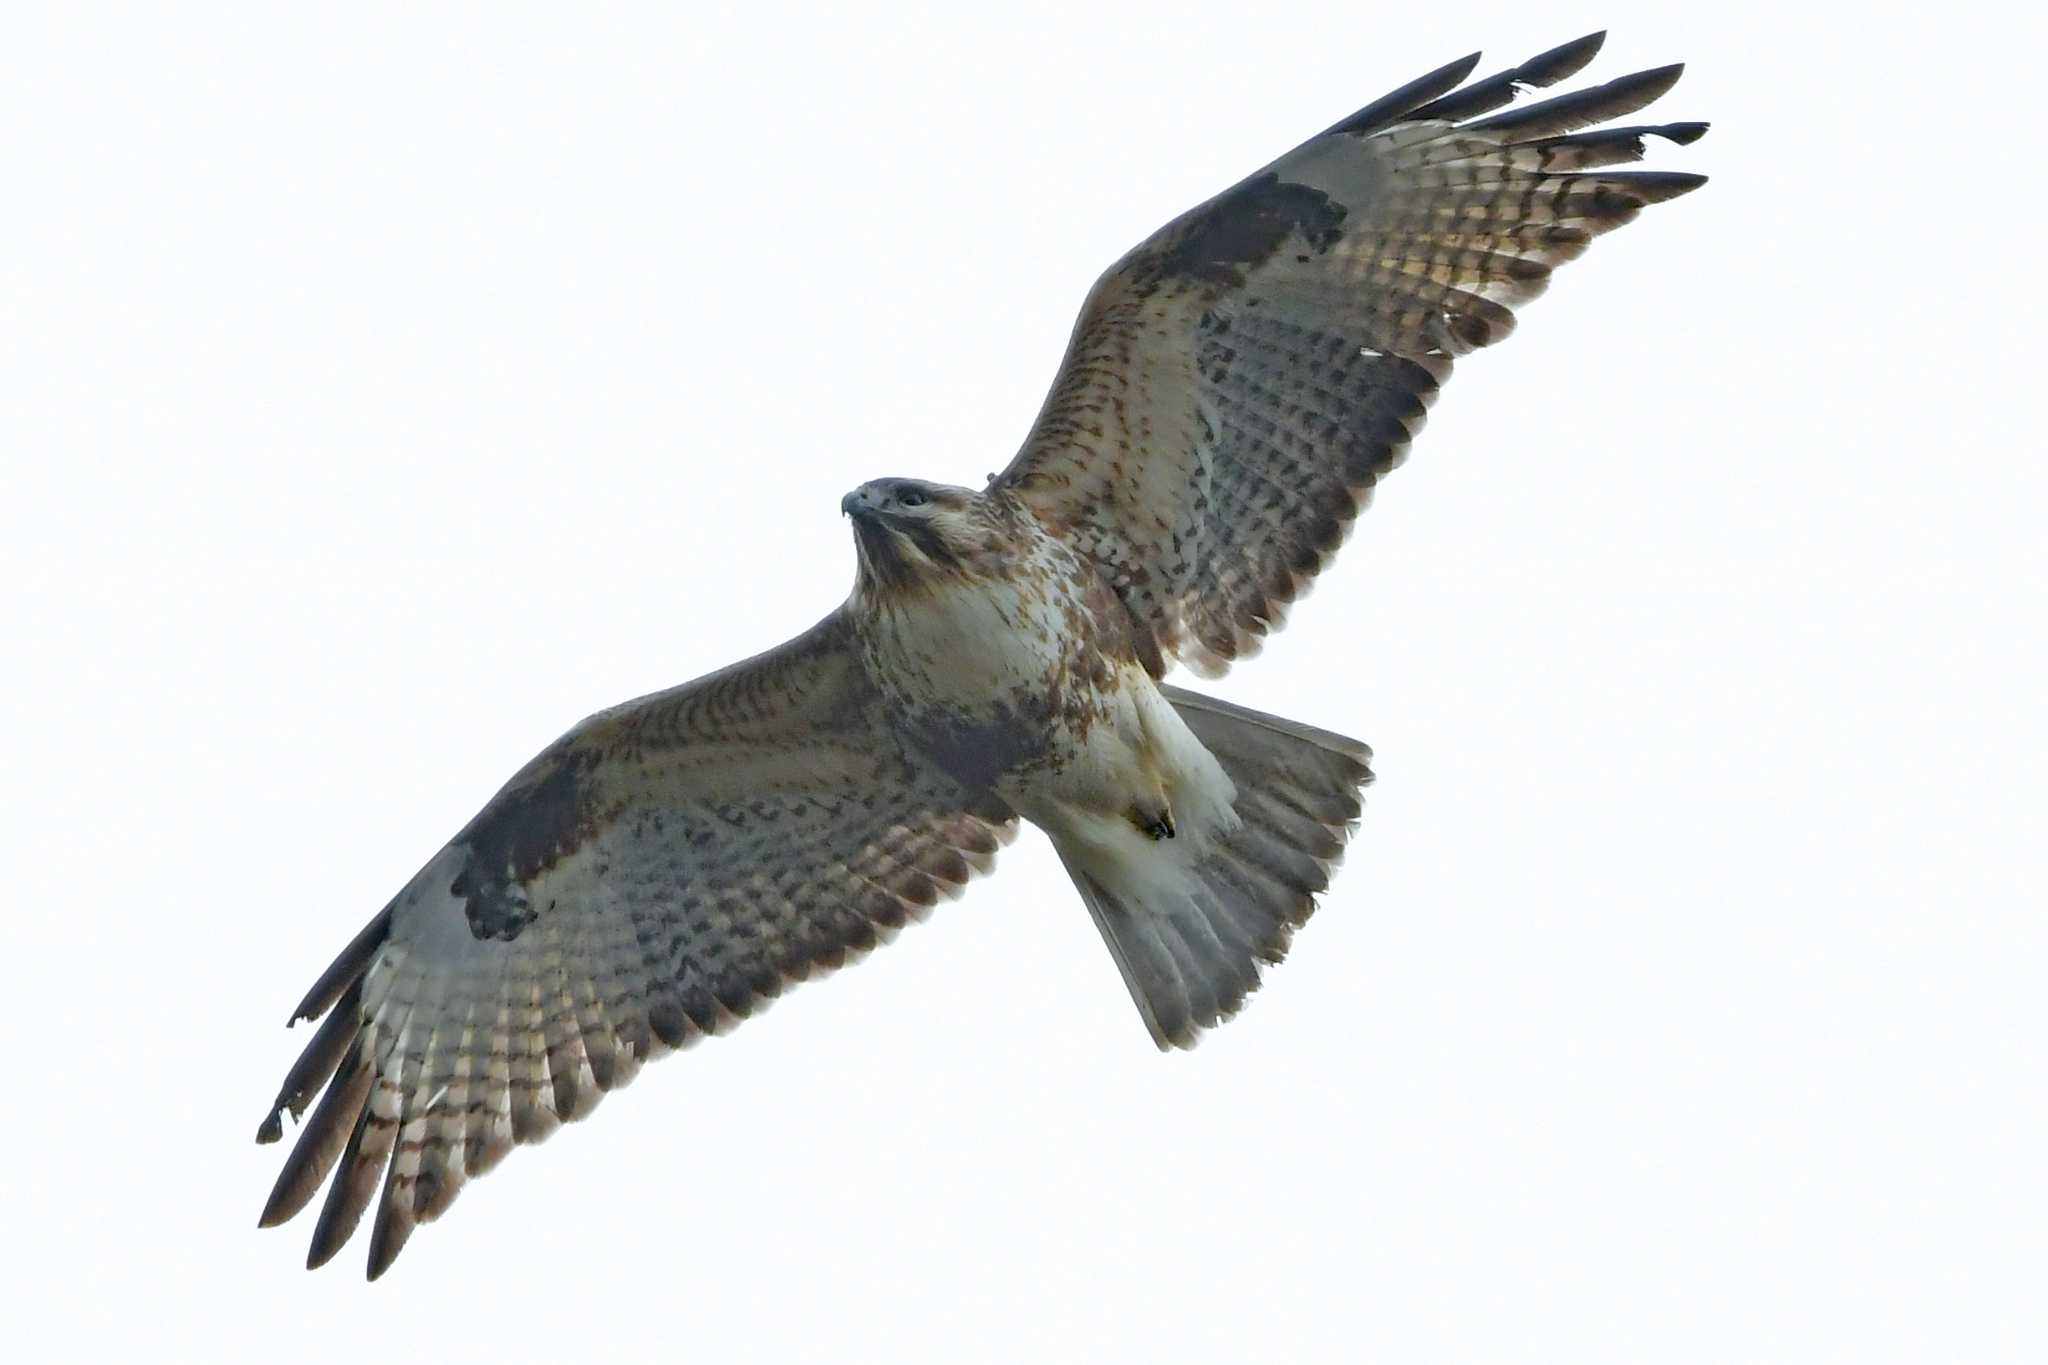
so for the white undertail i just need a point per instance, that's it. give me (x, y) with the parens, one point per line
(1190, 918)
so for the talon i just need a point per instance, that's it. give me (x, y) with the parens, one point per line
(1158, 826)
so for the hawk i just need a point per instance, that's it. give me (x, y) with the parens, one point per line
(1232, 392)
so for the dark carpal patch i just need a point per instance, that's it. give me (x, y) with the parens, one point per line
(525, 830)
(1245, 226)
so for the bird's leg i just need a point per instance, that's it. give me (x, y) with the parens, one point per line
(1156, 825)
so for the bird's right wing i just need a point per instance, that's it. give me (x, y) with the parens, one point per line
(1237, 384)
(658, 873)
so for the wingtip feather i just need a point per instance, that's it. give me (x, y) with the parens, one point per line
(1566, 59)
(1392, 107)
(388, 1235)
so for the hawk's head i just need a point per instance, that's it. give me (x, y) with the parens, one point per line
(912, 534)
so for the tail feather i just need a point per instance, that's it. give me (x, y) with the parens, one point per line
(1190, 947)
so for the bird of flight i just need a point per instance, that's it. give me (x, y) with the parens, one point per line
(1234, 388)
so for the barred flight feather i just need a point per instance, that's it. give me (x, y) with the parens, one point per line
(446, 1048)
(1238, 383)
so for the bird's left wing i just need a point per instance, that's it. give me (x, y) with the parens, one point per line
(1237, 383)
(658, 873)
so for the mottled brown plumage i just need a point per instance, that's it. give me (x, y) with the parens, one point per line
(1234, 388)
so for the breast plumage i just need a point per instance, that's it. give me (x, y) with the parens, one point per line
(1007, 659)
(998, 650)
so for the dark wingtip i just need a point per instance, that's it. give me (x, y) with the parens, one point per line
(1582, 108)
(1675, 183)
(1543, 69)
(275, 1209)
(339, 1214)
(387, 1238)
(1568, 59)
(1660, 78)
(1391, 107)
(345, 970)
(272, 1128)
(1684, 134)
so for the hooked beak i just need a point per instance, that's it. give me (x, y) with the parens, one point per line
(857, 502)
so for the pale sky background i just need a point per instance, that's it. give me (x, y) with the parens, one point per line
(381, 393)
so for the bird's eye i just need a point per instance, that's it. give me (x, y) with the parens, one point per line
(910, 497)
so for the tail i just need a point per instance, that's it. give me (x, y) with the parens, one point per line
(1189, 945)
